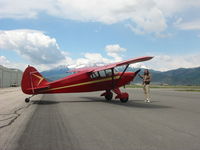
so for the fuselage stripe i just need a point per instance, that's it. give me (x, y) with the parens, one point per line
(84, 83)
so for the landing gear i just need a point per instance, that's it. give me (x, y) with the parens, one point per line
(108, 95)
(124, 100)
(123, 96)
(28, 99)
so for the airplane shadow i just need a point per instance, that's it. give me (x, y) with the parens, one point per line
(44, 102)
(130, 103)
(50, 102)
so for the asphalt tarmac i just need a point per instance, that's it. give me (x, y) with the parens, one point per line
(85, 121)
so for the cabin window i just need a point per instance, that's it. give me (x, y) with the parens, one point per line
(108, 72)
(102, 73)
(94, 75)
(116, 70)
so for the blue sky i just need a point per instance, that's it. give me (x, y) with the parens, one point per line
(82, 33)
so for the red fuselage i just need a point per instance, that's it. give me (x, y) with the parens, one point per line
(82, 82)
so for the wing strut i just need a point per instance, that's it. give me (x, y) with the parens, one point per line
(123, 71)
(113, 78)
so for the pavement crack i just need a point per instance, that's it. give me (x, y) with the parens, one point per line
(13, 118)
(7, 118)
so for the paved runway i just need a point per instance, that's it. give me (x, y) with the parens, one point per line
(85, 121)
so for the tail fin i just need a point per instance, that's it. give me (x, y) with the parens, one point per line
(32, 81)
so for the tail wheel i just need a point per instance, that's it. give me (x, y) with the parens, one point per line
(109, 96)
(124, 100)
(27, 100)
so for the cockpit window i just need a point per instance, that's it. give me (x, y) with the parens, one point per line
(94, 75)
(108, 72)
(116, 70)
(102, 73)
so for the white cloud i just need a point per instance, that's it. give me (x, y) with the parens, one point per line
(7, 63)
(176, 7)
(32, 45)
(115, 51)
(161, 62)
(90, 59)
(24, 9)
(44, 53)
(4, 61)
(168, 62)
(192, 25)
(115, 48)
(144, 16)
(96, 59)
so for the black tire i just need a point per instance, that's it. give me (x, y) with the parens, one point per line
(109, 96)
(27, 100)
(124, 100)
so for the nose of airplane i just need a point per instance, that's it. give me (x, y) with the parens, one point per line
(131, 75)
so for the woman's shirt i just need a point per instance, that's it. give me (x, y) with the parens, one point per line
(147, 79)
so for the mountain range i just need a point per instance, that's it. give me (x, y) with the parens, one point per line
(181, 76)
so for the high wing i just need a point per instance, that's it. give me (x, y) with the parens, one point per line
(126, 62)
(86, 69)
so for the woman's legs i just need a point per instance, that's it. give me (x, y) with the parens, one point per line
(146, 92)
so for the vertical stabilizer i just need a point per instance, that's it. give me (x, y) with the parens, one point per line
(32, 80)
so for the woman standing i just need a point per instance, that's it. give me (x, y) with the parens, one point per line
(146, 81)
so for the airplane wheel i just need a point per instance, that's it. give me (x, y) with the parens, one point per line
(27, 100)
(124, 100)
(109, 96)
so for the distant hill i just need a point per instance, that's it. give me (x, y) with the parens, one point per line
(56, 73)
(181, 76)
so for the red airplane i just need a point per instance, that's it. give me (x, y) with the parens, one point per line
(105, 78)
